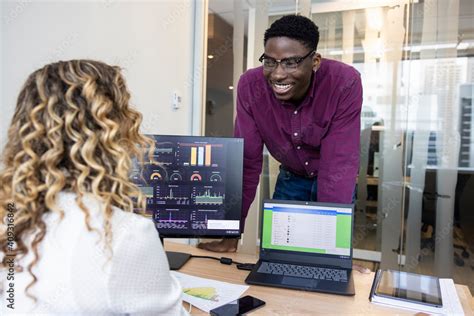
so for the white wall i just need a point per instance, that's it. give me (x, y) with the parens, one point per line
(152, 40)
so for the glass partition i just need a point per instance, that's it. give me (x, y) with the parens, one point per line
(414, 207)
(416, 172)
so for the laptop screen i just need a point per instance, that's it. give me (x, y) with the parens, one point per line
(307, 227)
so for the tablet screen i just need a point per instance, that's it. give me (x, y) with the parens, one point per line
(411, 287)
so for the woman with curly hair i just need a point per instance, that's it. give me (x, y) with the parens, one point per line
(71, 242)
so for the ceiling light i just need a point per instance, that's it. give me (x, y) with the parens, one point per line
(210, 56)
(231, 87)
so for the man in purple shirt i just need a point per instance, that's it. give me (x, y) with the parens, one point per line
(306, 111)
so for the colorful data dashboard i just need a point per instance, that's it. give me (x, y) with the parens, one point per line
(193, 185)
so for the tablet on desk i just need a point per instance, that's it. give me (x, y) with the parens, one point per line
(407, 287)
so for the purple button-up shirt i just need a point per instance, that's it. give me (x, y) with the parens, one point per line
(319, 137)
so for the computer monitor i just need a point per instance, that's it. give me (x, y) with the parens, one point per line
(193, 186)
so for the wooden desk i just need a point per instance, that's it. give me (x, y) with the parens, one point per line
(283, 301)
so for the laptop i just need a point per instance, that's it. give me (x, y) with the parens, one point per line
(305, 246)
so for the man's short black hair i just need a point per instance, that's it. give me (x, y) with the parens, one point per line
(296, 27)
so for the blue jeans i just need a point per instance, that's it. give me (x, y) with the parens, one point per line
(290, 186)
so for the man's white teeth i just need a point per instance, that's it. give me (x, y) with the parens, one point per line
(282, 86)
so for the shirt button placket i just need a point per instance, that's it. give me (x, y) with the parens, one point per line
(296, 126)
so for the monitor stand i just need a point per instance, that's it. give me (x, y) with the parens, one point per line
(176, 259)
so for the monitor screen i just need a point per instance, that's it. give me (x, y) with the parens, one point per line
(309, 227)
(194, 185)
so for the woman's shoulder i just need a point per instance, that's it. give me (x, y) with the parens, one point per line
(120, 220)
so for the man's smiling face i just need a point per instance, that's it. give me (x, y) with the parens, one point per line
(290, 85)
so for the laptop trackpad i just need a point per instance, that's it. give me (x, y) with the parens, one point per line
(299, 282)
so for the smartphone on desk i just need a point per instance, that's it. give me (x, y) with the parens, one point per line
(239, 307)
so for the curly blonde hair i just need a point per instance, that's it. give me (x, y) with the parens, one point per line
(73, 130)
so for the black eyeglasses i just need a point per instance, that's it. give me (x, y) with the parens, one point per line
(288, 64)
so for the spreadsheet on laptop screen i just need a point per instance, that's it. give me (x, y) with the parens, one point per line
(307, 228)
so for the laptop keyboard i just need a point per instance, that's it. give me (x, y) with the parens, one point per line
(303, 271)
